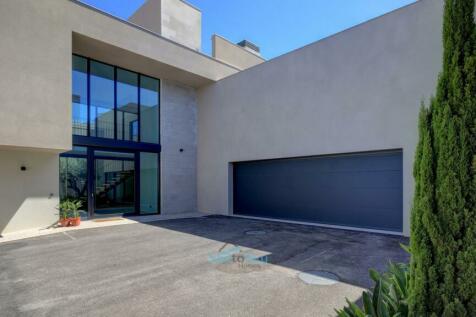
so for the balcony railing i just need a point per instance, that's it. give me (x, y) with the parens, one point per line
(127, 130)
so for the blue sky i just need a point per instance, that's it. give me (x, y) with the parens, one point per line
(276, 26)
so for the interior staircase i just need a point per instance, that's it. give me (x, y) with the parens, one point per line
(117, 179)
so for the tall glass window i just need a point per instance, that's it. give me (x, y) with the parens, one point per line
(80, 95)
(127, 105)
(102, 100)
(149, 183)
(74, 176)
(115, 103)
(149, 109)
(120, 105)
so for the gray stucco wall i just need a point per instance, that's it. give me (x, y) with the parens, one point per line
(38, 38)
(178, 119)
(35, 61)
(182, 23)
(28, 199)
(359, 90)
(35, 85)
(232, 54)
(174, 19)
(148, 16)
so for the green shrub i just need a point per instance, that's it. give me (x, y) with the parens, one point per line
(443, 219)
(69, 208)
(388, 297)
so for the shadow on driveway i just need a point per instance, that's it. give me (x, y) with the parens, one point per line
(346, 253)
(163, 268)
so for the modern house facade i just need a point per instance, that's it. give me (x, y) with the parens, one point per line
(130, 118)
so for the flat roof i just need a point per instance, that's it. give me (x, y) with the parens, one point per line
(195, 68)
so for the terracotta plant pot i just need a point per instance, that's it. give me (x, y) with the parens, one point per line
(74, 222)
(70, 222)
(64, 222)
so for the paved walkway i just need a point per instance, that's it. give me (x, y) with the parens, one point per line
(95, 223)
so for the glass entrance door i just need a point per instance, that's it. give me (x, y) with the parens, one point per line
(111, 182)
(114, 183)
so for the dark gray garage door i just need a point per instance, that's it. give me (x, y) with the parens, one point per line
(357, 190)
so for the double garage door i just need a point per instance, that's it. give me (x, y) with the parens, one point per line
(355, 190)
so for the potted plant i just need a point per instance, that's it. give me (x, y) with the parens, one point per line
(69, 212)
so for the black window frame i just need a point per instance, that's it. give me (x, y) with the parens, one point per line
(116, 139)
(93, 143)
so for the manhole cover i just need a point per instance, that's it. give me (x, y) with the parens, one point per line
(255, 232)
(318, 278)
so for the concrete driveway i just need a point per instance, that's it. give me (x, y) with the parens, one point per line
(181, 268)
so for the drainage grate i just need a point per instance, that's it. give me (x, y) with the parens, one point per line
(318, 278)
(255, 232)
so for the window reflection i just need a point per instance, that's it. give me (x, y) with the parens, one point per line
(127, 105)
(123, 105)
(73, 179)
(149, 183)
(80, 96)
(149, 109)
(102, 100)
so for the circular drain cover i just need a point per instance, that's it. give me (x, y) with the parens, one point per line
(255, 232)
(318, 278)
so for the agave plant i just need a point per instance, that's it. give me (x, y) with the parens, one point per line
(388, 298)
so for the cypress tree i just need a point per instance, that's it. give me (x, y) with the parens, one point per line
(443, 220)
